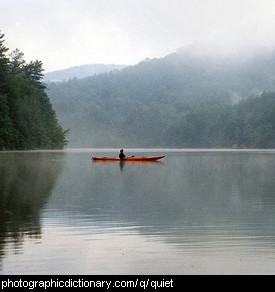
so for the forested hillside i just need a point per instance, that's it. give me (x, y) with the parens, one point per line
(80, 72)
(181, 100)
(27, 118)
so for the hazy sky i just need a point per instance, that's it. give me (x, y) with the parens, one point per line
(64, 33)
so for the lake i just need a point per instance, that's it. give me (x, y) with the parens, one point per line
(193, 212)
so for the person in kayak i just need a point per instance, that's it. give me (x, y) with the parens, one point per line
(121, 155)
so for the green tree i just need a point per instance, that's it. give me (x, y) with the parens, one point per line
(16, 62)
(3, 65)
(27, 118)
(33, 72)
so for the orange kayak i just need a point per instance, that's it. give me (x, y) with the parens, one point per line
(153, 158)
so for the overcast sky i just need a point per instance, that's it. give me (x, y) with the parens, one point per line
(64, 33)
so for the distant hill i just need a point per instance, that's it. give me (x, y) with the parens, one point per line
(181, 100)
(80, 72)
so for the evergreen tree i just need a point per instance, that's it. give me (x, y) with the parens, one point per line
(33, 72)
(17, 62)
(3, 65)
(27, 118)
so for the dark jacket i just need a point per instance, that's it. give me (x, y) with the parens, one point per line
(122, 156)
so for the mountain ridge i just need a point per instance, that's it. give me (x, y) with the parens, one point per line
(81, 71)
(180, 100)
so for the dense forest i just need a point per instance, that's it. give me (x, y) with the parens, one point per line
(27, 118)
(181, 100)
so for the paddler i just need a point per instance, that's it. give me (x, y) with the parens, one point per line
(121, 154)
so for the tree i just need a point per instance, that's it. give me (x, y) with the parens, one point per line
(3, 65)
(27, 118)
(17, 62)
(33, 72)
(8, 134)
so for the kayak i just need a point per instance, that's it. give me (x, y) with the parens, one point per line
(153, 158)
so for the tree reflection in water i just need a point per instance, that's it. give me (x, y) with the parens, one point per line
(27, 181)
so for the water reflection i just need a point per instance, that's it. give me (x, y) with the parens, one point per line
(188, 189)
(122, 163)
(218, 206)
(27, 181)
(192, 205)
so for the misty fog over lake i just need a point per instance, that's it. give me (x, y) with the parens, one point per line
(193, 212)
(192, 82)
(183, 100)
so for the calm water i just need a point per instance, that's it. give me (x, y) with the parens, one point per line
(195, 212)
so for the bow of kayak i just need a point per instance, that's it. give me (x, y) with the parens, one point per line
(153, 158)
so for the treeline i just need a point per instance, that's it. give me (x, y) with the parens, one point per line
(176, 101)
(27, 118)
(80, 72)
(247, 124)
